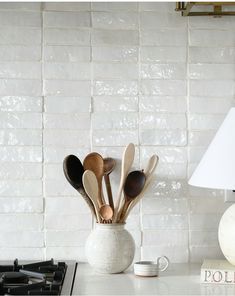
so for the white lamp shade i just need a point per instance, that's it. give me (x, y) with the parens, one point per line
(217, 167)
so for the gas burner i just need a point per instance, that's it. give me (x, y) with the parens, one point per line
(14, 277)
(40, 278)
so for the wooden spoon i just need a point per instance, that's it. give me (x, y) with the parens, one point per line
(106, 213)
(127, 160)
(152, 163)
(109, 165)
(91, 187)
(95, 163)
(134, 184)
(73, 171)
(149, 170)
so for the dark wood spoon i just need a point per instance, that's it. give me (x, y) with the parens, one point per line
(134, 184)
(109, 165)
(73, 171)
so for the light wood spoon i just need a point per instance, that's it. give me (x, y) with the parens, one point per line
(134, 184)
(149, 170)
(127, 160)
(109, 165)
(73, 171)
(91, 187)
(95, 163)
(151, 166)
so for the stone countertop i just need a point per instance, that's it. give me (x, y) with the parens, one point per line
(179, 279)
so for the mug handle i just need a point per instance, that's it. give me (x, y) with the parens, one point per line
(166, 260)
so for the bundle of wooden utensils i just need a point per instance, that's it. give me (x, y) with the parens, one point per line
(87, 179)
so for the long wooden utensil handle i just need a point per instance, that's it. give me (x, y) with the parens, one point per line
(123, 211)
(109, 190)
(88, 201)
(127, 160)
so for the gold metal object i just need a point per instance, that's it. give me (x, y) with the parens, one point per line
(186, 8)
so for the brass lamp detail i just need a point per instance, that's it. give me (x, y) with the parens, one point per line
(217, 8)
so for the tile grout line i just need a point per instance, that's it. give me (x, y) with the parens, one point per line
(43, 113)
(187, 119)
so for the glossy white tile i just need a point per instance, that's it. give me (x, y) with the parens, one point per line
(20, 36)
(110, 88)
(66, 88)
(216, 38)
(54, 36)
(163, 87)
(66, 6)
(27, 137)
(163, 71)
(69, 19)
(67, 71)
(123, 104)
(163, 137)
(163, 104)
(13, 18)
(21, 104)
(115, 37)
(20, 53)
(115, 71)
(113, 6)
(115, 121)
(21, 205)
(54, 104)
(163, 54)
(155, 19)
(115, 20)
(66, 53)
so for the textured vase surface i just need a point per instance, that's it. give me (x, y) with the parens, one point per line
(110, 248)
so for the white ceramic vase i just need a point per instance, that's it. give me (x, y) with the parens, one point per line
(110, 248)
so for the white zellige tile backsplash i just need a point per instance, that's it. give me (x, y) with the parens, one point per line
(81, 77)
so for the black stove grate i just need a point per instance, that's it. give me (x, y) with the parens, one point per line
(40, 278)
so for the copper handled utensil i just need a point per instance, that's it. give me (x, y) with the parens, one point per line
(73, 171)
(134, 184)
(127, 160)
(91, 187)
(149, 170)
(95, 163)
(109, 165)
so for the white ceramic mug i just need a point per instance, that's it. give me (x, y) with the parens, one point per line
(151, 268)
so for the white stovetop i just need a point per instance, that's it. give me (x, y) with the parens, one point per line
(179, 279)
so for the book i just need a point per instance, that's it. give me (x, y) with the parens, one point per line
(217, 272)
